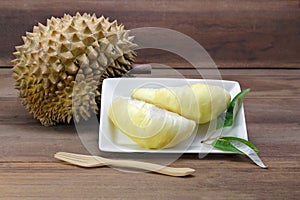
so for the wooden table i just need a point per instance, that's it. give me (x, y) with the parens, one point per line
(255, 43)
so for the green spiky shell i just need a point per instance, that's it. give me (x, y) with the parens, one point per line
(60, 67)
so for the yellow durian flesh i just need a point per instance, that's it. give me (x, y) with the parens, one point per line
(199, 102)
(148, 125)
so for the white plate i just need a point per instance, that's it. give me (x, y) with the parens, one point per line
(111, 139)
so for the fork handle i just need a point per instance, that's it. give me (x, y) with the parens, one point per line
(171, 171)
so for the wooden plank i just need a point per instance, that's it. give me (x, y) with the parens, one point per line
(236, 33)
(28, 169)
(157, 69)
(263, 83)
(27, 140)
(214, 178)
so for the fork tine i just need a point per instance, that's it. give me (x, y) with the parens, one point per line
(72, 161)
(83, 157)
(87, 161)
(72, 155)
(71, 158)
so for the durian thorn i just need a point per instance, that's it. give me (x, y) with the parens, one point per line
(58, 68)
(52, 59)
(70, 29)
(65, 15)
(30, 35)
(69, 118)
(53, 77)
(76, 116)
(100, 35)
(99, 26)
(83, 23)
(52, 42)
(16, 54)
(95, 44)
(73, 23)
(131, 38)
(133, 46)
(87, 30)
(62, 38)
(24, 39)
(94, 17)
(122, 60)
(112, 25)
(51, 50)
(85, 15)
(71, 68)
(36, 29)
(54, 33)
(101, 18)
(78, 14)
(48, 22)
(125, 34)
(95, 65)
(83, 60)
(102, 60)
(42, 27)
(66, 57)
(15, 61)
(53, 21)
(64, 47)
(36, 71)
(85, 114)
(45, 70)
(19, 48)
(75, 37)
(88, 40)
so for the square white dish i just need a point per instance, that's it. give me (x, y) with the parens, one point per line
(111, 139)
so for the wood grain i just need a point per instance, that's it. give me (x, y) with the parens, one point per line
(214, 177)
(29, 171)
(256, 43)
(237, 34)
(260, 81)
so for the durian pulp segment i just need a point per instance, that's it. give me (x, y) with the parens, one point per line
(61, 65)
(148, 125)
(198, 102)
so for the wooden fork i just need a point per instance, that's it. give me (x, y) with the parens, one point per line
(97, 161)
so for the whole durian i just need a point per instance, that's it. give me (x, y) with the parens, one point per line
(60, 67)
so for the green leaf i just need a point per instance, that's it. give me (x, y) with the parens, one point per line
(248, 152)
(228, 118)
(246, 142)
(239, 145)
(225, 145)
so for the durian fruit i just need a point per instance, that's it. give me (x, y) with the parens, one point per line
(60, 67)
(199, 102)
(149, 126)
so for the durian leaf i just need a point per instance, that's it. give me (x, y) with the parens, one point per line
(235, 144)
(248, 151)
(224, 142)
(225, 145)
(239, 145)
(227, 119)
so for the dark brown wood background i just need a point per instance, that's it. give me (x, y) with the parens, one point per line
(237, 34)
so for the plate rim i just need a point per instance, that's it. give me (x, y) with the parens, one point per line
(169, 150)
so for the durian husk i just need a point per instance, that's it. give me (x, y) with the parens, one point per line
(61, 65)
